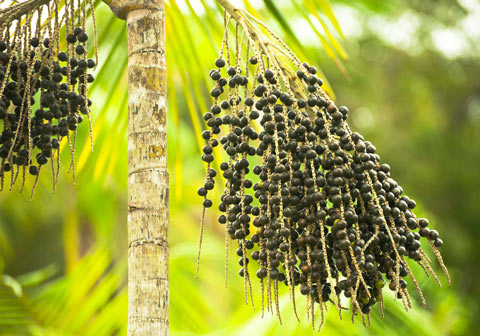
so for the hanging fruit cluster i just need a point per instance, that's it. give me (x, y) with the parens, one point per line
(307, 200)
(43, 84)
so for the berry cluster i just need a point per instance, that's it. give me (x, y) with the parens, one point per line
(318, 210)
(43, 93)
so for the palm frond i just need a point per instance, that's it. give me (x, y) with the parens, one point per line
(77, 303)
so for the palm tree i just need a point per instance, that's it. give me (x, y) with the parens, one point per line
(156, 155)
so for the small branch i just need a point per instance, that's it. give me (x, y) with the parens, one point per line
(236, 15)
(16, 12)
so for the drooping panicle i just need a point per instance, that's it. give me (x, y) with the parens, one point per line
(44, 77)
(307, 200)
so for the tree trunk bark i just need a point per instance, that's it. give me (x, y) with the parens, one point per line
(148, 187)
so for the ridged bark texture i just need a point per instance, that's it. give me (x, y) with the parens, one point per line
(148, 187)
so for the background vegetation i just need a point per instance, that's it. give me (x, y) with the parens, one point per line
(411, 82)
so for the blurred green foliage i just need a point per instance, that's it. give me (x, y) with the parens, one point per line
(413, 90)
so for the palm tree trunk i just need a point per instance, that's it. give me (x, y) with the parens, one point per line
(148, 187)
